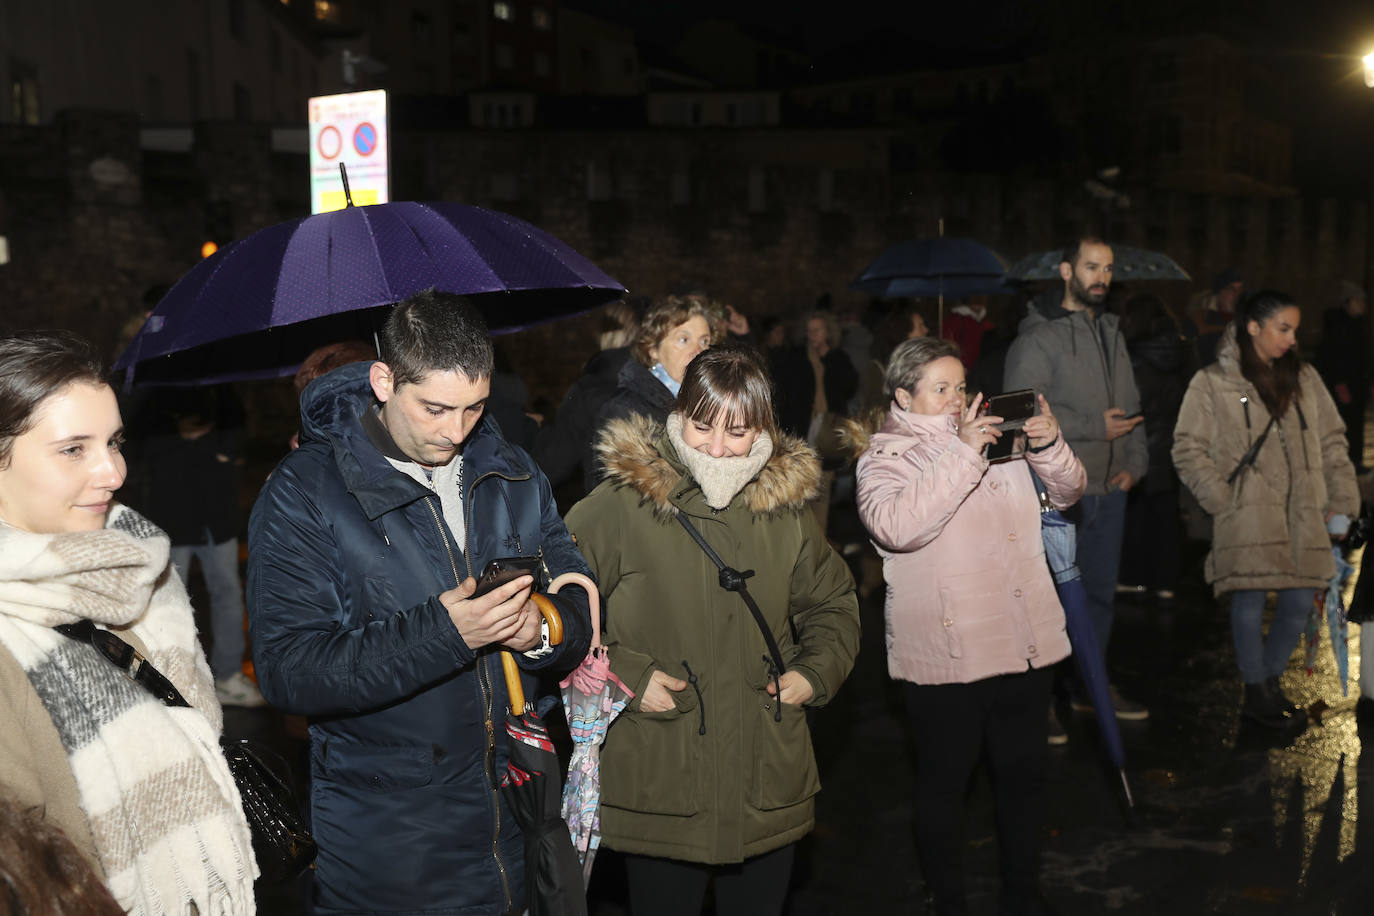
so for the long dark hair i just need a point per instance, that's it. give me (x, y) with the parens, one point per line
(1276, 383)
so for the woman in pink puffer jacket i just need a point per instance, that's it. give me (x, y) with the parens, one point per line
(973, 620)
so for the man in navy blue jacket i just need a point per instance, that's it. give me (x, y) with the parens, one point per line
(363, 548)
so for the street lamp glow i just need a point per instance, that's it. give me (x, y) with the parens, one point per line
(1368, 61)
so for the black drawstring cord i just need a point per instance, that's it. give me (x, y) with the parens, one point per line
(777, 685)
(701, 703)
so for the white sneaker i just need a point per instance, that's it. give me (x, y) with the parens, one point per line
(238, 690)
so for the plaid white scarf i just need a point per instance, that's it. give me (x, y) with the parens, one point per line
(165, 814)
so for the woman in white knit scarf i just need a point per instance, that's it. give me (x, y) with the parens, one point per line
(141, 788)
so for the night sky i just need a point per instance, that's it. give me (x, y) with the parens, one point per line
(1313, 47)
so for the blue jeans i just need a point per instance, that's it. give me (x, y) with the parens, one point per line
(1101, 519)
(219, 565)
(1257, 657)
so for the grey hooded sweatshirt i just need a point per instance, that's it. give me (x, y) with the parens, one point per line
(1080, 364)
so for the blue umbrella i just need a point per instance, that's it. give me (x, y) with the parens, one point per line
(256, 308)
(1129, 263)
(1061, 549)
(945, 266)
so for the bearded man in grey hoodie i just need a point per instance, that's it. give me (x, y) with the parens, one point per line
(1070, 350)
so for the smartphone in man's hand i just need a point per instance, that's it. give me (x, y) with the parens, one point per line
(503, 570)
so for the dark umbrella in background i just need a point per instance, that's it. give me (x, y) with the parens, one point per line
(1128, 264)
(257, 307)
(1061, 549)
(938, 267)
(532, 787)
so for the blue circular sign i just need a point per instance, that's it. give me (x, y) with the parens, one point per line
(365, 139)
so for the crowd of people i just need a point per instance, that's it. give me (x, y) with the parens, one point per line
(693, 446)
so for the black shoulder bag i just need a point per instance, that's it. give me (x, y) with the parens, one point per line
(732, 580)
(281, 844)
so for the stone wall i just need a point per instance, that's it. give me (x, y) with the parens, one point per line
(767, 220)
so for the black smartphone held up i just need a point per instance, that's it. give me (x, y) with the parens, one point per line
(506, 569)
(1011, 445)
(1014, 407)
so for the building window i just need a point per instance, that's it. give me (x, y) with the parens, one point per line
(152, 89)
(236, 19)
(24, 98)
(421, 32)
(681, 188)
(541, 18)
(327, 11)
(243, 103)
(825, 191)
(1164, 68)
(503, 10)
(505, 59)
(758, 199)
(193, 84)
(598, 182)
(541, 63)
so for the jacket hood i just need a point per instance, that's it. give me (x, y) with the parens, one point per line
(1228, 350)
(633, 452)
(331, 418)
(1048, 306)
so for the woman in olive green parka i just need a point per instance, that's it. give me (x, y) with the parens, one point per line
(704, 766)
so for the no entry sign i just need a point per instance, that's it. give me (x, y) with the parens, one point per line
(350, 128)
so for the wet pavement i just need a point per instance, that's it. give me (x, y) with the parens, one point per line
(1228, 818)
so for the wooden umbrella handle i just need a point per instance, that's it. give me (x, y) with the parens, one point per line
(513, 687)
(549, 611)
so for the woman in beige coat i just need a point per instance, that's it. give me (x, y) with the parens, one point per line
(1260, 444)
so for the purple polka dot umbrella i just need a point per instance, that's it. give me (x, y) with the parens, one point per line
(257, 307)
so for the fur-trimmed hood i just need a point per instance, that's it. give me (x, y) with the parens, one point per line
(636, 453)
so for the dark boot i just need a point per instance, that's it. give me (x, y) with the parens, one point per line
(1262, 708)
(1290, 708)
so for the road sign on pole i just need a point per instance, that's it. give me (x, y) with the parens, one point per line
(351, 128)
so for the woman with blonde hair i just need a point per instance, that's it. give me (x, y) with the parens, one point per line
(671, 333)
(973, 620)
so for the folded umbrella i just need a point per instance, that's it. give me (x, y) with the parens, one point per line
(1061, 548)
(257, 307)
(592, 697)
(1328, 604)
(531, 788)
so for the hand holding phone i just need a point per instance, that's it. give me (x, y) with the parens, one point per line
(493, 609)
(1014, 408)
(1117, 423)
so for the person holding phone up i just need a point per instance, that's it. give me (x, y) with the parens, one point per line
(973, 619)
(363, 548)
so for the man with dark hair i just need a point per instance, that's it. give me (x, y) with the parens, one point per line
(363, 548)
(1070, 350)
